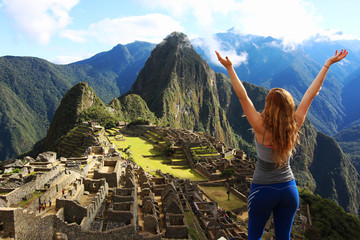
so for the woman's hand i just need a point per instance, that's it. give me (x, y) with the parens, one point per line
(225, 62)
(338, 57)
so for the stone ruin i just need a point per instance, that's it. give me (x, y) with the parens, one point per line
(211, 167)
(100, 197)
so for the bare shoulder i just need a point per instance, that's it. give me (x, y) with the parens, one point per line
(259, 130)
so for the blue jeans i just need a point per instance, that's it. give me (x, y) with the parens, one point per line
(282, 199)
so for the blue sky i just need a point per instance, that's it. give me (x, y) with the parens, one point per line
(65, 31)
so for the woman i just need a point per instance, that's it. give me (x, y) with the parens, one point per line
(276, 133)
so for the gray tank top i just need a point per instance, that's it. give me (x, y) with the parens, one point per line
(265, 169)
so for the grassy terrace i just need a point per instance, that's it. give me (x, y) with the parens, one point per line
(140, 148)
(204, 151)
(219, 195)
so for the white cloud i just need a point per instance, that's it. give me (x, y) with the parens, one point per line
(72, 56)
(211, 44)
(290, 20)
(67, 59)
(333, 35)
(203, 11)
(74, 35)
(151, 28)
(293, 21)
(40, 19)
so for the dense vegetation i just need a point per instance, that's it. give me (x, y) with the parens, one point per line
(329, 220)
(349, 141)
(333, 174)
(99, 113)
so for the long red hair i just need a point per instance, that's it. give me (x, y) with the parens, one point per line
(279, 118)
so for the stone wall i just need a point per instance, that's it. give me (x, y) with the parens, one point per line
(176, 226)
(125, 217)
(73, 212)
(202, 168)
(7, 217)
(52, 191)
(46, 157)
(113, 178)
(73, 231)
(82, 215)
(27, 189)
(188, 156)
(28, 226)
(123, 195)
(85, 170)
(32, 227)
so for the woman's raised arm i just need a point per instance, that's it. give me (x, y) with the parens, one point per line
(251, 114)
(315, 87)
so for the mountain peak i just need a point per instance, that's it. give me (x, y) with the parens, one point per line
(177, 39)
(77, 99)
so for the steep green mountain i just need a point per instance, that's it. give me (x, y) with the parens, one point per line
(15, 124)
(78, 99)
(32, 89)
(270, 64)
(80, 104)
(132, 107)
(181, 89)
(335, 176)
(349, 140)
(112, 73)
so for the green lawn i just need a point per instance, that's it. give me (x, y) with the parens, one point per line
(140, 147)
(218, 194)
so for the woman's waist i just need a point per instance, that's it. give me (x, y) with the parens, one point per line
(268, 173)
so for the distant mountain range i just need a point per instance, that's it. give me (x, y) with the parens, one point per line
(32, 88)
(176, 87)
